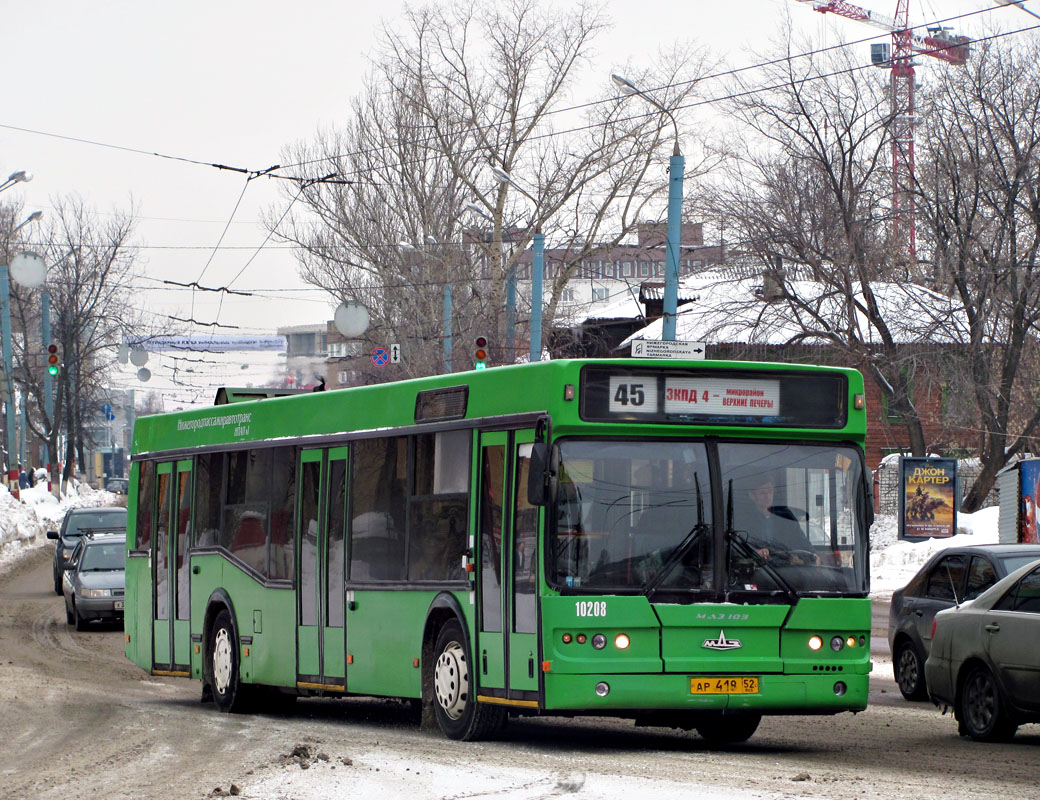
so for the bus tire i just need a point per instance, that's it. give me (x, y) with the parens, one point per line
(459, 715)
(222, 655)
(730, 729)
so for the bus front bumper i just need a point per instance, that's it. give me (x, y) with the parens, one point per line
(826, 693)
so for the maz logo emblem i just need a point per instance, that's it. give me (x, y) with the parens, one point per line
(722, 643)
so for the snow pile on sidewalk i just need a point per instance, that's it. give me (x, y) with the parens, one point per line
(893, 562)
(24, 523)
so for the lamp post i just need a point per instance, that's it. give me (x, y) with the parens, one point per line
(537, 271)
(676, 167)
(446, 334)
(5, 346)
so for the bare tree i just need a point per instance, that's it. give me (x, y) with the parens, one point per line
(808, 193)
(455, 93)
(979, 199)
(91, 266)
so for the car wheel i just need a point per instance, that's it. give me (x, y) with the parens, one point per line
(980, 708)
(908, 667)
(57, 583)
(729, 729)
(68, 614)
(458, 713)
(80, 623)
(228, 692)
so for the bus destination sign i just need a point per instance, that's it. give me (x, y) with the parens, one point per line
(721, 396)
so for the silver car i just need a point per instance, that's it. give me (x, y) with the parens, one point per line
(94, 583)
(985, 658)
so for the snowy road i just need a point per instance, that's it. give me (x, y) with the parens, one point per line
(79, 721)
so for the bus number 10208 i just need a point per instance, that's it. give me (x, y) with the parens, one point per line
(591, 608)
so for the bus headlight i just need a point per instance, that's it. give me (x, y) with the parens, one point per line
(837, 643)
(815, 642)
(621, 641)
(599, 641)
(602, 688)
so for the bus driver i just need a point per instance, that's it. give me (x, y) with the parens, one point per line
(772, 533)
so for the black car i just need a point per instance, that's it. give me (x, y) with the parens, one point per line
(77, 522)
(949, 577)
(117, 485)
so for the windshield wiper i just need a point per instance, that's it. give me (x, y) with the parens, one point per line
(674, 558)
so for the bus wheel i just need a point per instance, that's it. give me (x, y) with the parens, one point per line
(729, 729)
(458, 713)
(228, 692)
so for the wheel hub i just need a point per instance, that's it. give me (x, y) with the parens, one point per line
(222, 661)
(451, 680)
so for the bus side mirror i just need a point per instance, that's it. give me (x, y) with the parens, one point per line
(541, 476)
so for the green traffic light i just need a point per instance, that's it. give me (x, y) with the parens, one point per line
(52, 369)
(480, 365)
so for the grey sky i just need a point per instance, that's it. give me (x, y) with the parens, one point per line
(233, 82)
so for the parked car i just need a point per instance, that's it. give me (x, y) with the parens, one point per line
(94, 583)
(117, 485)
(985, 658)
(77, 522)
(949, 577)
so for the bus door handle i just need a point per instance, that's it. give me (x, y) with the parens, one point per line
(195, 570)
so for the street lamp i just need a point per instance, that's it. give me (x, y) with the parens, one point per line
(537, 272)
(1020, 4)
(5, 332)
(676, 167)
(16, 177)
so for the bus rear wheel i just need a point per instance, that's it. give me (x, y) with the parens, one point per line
(729, 729)
(222, 654)
(458, 713)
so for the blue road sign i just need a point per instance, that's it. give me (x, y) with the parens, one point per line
(380, 356)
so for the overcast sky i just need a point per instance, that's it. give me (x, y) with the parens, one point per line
(234, 82)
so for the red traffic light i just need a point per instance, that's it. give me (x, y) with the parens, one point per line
(52, 349)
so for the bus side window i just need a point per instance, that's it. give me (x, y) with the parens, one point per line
(378, 494)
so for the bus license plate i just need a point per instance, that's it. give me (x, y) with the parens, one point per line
(118, 604)
(739, 685)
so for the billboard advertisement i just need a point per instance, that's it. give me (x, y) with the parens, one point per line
(1029, 491)
(927, 497)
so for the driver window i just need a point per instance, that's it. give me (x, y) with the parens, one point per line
(946, 579)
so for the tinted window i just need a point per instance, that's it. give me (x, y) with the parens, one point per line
(145, 504)
(80, 523)
(1013, 562)
(208, 484)
(1027, 596)
(946, 579)
(437, 507)
(378, 499)
(981, 575)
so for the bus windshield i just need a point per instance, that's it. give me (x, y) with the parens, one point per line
(778, 520)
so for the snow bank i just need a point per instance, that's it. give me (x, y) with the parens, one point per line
(24, 523)
(893, 562)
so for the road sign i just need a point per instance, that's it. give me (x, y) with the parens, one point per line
(380, 356)
(654, 348)
(106, 409)
(395, 354)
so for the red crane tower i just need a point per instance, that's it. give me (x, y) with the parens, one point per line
(938, 44)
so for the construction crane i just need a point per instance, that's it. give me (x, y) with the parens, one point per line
(940, 44)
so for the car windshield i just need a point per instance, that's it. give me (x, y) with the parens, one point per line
(97, 521)
(642, 517)
(100, 557)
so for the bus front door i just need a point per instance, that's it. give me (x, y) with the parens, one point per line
(171, 603)
(507, 642)
(320, 639)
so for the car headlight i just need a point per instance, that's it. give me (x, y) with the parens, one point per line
(97, 593)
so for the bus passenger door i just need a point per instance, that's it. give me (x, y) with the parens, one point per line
(507, 647)
(523, 623)
(171, 622)
(320, 562)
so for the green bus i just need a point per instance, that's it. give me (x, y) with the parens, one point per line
(684, 543)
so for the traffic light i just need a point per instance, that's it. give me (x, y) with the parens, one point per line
(52, 359)
(480, 353)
